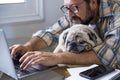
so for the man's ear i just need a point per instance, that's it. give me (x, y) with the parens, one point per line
(94, 5)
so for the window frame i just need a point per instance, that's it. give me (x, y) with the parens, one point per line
(33, 11)
(9, 1)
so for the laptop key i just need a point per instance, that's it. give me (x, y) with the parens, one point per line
(22, 72)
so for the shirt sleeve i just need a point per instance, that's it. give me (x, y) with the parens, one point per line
(109, 51)
(50, 35)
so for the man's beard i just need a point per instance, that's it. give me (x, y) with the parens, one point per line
(77, 20)
(86, 22)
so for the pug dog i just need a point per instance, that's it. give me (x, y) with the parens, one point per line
(77, 38)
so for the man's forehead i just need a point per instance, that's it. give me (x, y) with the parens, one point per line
(70, 2)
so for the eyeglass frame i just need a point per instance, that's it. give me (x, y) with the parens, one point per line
(74, 10)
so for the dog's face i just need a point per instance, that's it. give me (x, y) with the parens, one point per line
(80, 38)
(75, 42)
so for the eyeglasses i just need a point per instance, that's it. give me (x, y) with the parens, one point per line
(72, 8)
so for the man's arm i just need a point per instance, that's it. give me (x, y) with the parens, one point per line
(84, 58)
(42, 38)
(45, 38)
(35, 44)
(50, 36)
(49, 59)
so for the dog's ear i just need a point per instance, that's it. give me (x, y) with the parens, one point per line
(92, 36)
(65, 36)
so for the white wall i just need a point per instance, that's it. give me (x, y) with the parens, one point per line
(21, 32)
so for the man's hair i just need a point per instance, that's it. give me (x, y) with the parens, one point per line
(88, 1)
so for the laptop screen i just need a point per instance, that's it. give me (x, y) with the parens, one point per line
(6, 64)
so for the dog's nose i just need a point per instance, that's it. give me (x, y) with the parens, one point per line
(73, 44)
(72, 47)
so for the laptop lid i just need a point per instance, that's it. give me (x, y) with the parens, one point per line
(6, 63)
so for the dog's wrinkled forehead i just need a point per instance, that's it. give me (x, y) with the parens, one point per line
(74, 35)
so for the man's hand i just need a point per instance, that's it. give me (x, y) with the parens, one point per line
(36, 57)
(18, 48)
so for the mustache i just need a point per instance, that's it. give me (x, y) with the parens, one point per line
(79, 20)
(86, 22)
(73, 18)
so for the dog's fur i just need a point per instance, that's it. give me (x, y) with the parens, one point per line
(78, 38)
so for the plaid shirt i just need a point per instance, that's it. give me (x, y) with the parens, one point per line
(109, 30)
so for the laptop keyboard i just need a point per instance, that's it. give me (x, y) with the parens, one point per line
(29, 70)
(21, 72)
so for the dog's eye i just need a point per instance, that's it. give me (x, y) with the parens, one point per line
(76, 36)
(81, 42)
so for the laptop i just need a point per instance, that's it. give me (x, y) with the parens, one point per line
(8, 67)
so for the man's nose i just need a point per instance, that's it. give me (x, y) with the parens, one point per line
(70, 13)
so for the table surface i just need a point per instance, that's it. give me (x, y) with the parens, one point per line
(63, 71)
